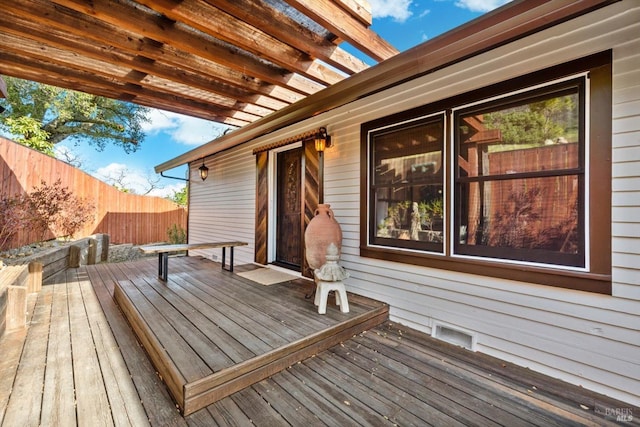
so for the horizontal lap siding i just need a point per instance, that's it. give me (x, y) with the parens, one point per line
(592, 340)
(626, 171)
(223, 206)
(587, 339)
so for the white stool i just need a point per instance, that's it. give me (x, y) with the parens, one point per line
(322, 291)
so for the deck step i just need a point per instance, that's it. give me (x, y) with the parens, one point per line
(195, 384)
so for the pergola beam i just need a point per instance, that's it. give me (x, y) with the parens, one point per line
(339, 21)
(233, 61)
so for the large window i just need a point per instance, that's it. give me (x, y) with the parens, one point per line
(407, 184)
(519, 166)
(511, 180)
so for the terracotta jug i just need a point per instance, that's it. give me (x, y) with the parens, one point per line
(323, 229)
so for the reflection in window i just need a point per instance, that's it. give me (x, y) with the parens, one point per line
(407, 184)
(520, 178)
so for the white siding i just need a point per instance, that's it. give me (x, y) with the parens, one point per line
(223, 206)
(587, 339)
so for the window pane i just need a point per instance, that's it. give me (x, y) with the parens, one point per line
(407, 191)
(534, 219)
(412, 154)
(417, 217)
(527, 136)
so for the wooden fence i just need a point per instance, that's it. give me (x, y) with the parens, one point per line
(126, 218)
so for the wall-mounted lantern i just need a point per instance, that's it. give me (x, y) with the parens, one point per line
(204, 171)
(322, 140)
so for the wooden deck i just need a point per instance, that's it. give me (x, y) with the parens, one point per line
(211, 333)
(79, 363)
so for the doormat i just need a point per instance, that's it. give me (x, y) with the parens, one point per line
(267, 276)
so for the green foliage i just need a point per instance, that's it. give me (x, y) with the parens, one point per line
(397, 213)
(55, 208)
(180, 197)
(536, 122)
(35, 110)
(429, 211)
(176, 234)
(30, 133)
(124, 189)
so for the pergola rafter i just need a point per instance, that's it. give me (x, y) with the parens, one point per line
(232, 61)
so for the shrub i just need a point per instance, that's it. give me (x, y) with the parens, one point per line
(176, 234)
(74, 215)
(13, 218)
(55, 208)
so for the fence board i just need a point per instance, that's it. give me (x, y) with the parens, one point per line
(127, 218)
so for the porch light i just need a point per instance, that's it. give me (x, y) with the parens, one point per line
(204, 171)
(322, 140)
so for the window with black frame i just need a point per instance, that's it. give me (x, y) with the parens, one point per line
(520, 177)
(407, 178)
(511, 180)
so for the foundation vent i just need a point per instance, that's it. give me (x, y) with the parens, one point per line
(454, 335)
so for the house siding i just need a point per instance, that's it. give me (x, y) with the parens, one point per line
(222, 208)
(584, 338)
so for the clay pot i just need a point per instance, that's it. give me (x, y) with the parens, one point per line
(323, 229)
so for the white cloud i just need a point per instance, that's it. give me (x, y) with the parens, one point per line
(396, 9)
(480, 5)
(136, 180)
(167, 190)
(183, 129)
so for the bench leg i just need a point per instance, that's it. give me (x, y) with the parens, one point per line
(163, 265)
(230, 258)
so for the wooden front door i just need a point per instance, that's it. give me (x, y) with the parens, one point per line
(289, 226)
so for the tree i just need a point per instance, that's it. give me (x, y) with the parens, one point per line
(180, 197)
(42, 116)
(128, 182)
(532, 124)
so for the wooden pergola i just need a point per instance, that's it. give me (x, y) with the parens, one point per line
(230, 61)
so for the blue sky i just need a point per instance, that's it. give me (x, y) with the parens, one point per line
(404, 23)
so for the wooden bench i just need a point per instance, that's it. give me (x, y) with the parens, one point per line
(163, 253)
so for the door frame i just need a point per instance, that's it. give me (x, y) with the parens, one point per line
(273, 197)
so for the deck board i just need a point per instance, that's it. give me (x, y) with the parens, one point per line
(299, 396)
(477, 396)
(388, 375)
(120, 390)
(91, 396)
(58, 407)
(424, 387)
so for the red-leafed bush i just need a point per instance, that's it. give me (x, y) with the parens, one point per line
(48, 208)
(12, 218)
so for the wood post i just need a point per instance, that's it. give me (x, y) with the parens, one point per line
(34, 283)
(105, 248)
(16, 307)
(93, 251)
(75, 256)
